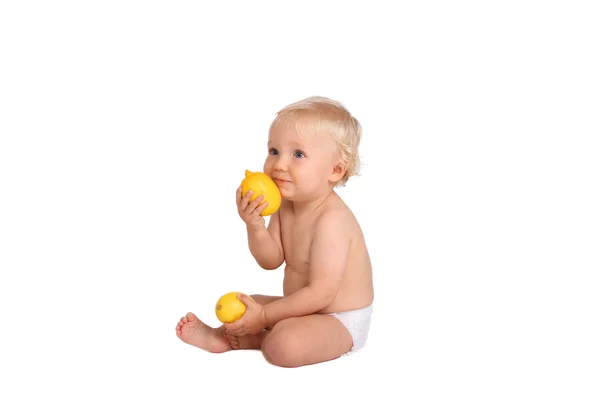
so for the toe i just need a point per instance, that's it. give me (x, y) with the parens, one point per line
(191, 316)
(232, 339)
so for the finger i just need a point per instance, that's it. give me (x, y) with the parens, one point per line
(245, 200)
(255, 203)
(242, 205)
(233, 326)
(251, 207)
(261, 208)
(236, 332)
(236, 326)
(247, 300)
(238, 195)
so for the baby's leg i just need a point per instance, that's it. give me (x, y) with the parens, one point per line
(193, 331)
(306, 340)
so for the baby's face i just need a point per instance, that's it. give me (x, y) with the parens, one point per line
(301, 164)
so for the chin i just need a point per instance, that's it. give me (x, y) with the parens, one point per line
(290, 195)
(285, 194)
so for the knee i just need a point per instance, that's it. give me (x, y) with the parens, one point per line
(282, 347)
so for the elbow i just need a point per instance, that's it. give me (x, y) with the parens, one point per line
(270, 265)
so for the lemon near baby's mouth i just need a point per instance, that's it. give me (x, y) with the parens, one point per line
(262, 184)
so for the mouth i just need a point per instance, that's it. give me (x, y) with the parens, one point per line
(279, 180)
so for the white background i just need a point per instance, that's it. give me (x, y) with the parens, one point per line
(127, 126)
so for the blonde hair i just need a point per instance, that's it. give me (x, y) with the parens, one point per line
(321, 114)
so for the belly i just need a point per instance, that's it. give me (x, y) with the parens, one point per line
(293, 280)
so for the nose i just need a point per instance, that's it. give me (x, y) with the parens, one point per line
(280, 164)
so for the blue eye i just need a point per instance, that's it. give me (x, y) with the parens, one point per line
(273, 152)
(298, 154)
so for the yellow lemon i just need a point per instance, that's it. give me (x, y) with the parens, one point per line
(262, 184)
(229, 308)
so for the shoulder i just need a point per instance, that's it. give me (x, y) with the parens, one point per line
(336, 218)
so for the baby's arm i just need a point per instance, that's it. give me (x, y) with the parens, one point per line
(265, 244)
(328, 257)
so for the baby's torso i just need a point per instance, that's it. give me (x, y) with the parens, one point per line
(356, 289)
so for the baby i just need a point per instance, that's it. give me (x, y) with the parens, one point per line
(325, 310)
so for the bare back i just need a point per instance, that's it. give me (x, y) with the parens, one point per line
(297, 235)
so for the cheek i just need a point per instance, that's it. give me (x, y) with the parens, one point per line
(311, 176)
(267, 165)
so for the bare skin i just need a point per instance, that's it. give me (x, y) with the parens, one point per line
(290, 343)
(318, 337)
(355, 289)
(299, 340)
(193, 331)
(320, 242)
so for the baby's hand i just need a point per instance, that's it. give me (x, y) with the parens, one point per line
(252, 322)
(250, 211)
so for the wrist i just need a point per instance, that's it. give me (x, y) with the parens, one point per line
(255, 228)
(263, 317)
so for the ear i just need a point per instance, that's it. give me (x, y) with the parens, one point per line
(337, 172)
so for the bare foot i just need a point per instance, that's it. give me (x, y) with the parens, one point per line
(195, 332)
(245, 342)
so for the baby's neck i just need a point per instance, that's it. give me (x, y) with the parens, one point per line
(310, 206)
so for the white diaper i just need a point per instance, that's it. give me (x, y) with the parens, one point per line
(358, 323)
